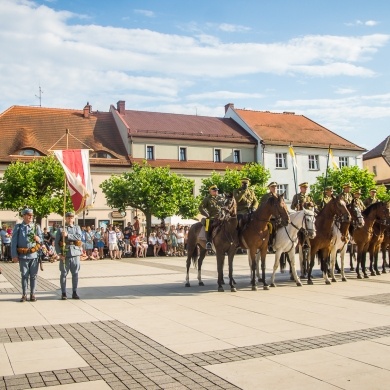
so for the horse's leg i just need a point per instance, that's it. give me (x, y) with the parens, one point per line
(202, 255)
(252, 263)
(333, 255)
(376, 257)
(257, 258)
(291, 256)
(342, 256)
(191, 253)
(276, 265)
(351, 255)
(363, 264)
(231, 254)
(311, 265)
(303, 273)
(263, 260)
(384, 260)
(324, 255)
(220, 261)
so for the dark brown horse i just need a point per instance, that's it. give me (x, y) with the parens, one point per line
(378, 235)
(255, 234)
(376, 212)
(385, 249)
(321, 243)
(224, 239)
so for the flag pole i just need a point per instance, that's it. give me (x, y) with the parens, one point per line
(65, 189)
(326, 177)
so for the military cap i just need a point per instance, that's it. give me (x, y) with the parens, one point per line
(214, 188)
(345, 185)
(245, 180)
(357, 191)
(373, 189)
(69, 214)
(329, 188)
(304, 184)
(272, 184)
(27, 211)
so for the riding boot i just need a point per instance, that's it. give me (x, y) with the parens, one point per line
(208, 239)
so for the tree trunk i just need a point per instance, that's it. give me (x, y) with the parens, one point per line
(148, 217)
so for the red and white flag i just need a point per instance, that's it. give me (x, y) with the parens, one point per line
(78, 174)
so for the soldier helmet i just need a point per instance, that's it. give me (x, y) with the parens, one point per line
(214, 188)
(27, 211)
(272, 184)
(69, 214)
(245, 180)
(347, 185)
(304, 184)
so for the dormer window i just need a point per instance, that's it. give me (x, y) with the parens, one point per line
(29, 152)
(101, 154)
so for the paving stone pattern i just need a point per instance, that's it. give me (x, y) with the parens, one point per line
(381, 299)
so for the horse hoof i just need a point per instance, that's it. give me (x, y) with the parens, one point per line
(265, 287)
(272, 285)
(299, 284)
(187, 285)
(366, 276)
(201, 284)
(254, 288)
(327, 282)
(359, 276)
(233, 289)
(377, 272)
(220, 289)
(334, 280)
(352, 269)
(310, 282)
(372, 273)
(384, 271)
(343, 279)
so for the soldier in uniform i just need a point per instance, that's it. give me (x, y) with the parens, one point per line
(346, 195)
(68, 245)
(372, 198)
(210, 207)
(327, 197)
(25, 244)
(272, 192)
(302, 200)
(245, 198)
(357, 194)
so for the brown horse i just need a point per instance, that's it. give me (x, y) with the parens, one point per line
(255, 234)
(380, 212)
(335, 208)
(225, 240)
(385, 249)
(378, 235)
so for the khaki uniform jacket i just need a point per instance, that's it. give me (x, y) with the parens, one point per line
(265, 197)
(359, 203)
(302, 201)
(246, 200)
(346, 197)
(325, 201)
(369, 201)
(211, 205)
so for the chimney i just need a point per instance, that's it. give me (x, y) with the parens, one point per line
(229, 105)
(121, 107)
(87, 110)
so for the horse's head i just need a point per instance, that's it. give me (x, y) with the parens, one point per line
(228, 209)
(339, 209)
(309, 226)
(356, 214)
(383, 212)
(279, 210)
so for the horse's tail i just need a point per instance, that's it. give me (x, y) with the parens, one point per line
(194, 256)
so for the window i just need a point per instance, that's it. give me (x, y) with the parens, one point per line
(281, 189)
(29, 152)
(281, 160)
(343, 162)
(217, 155)
(150, 152)
(183, 154)
(374, 170)
(313, 163)
(101, 154)
(236, 156)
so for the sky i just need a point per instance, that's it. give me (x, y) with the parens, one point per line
(326, 60)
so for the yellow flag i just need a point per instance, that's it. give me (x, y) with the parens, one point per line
(331, 159)
(293, 158)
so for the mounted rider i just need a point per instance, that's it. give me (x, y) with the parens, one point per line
(358, 202)
(272, 192)
(372, 198)
(326, 198)
(210, 207)
(346, 195)
(302, 200)
(245, 199)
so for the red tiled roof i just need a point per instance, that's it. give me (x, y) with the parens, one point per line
(192, 164)
(43, 128)
(185, 127)
(288, 128)
(381, 150)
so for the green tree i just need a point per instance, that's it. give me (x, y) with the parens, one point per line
(360, 179)
(230, 179)
(38, 184)
(154, 191)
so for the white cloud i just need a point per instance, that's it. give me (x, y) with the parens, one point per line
(344, 91)
(223, 95)
(368, 23)
(233, 28)
(144, 12)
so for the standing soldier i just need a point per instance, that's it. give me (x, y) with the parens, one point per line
(346, 195)
(245, 198)
(356, 195)
(25, 244)
(210, 207)
(372, 198)
(68, 245)
(302, 200)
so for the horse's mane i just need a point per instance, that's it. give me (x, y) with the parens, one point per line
(372, 207)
